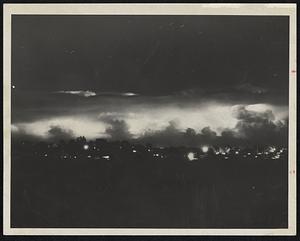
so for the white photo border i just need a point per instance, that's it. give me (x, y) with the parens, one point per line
(147, 9)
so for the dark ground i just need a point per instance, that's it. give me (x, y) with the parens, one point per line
(138, 190)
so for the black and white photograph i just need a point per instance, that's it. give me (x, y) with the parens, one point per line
(150, 120)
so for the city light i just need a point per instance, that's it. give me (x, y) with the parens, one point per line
(204, 149)
(202, 152)
(272, 149)
(191, 156)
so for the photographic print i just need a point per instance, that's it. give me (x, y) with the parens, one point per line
(150, 119)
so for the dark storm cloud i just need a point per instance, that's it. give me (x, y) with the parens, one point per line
(56, 133)
(117, 130)
(260, 127)
(173, 136)
(150, 55)
(253, 128)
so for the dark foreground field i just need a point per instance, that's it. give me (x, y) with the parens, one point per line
(139, 190)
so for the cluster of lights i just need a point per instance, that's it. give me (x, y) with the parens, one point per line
(276, 157)
(271, 151)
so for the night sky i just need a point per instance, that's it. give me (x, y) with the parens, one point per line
(135, 77)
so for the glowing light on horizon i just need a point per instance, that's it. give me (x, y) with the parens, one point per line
(141, 118)
(83, 93)
(272, 149)
(191, 156)
(205, 149)
(86, 147)
(129, 94)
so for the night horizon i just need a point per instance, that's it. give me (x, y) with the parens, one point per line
(131, 77)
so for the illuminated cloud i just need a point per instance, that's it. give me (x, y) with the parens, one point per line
(78, 126)
(167, 124)
(147, 117)
(84, 93)
(87, 93)
(129, 94)
(57, 133)
(14, 128)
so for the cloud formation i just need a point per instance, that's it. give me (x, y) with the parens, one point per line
(252, 128)
(84, 93)
(57, 133)
(214, 125)
(260, 127)
(117, 129)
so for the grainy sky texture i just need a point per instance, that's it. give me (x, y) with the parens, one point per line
(150, 77)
